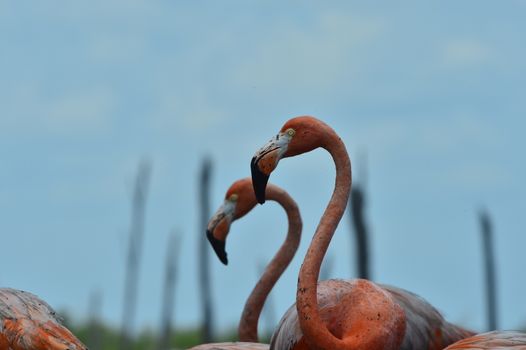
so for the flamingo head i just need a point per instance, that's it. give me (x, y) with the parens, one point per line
(239, 200)
(297, 136)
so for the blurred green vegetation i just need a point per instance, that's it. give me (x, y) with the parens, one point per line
(108, 336)
(145, 340)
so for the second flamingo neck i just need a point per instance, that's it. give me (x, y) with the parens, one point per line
(248, 324)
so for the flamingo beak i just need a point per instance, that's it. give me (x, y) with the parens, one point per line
(265, 161)
(218, 228)
(219, 247)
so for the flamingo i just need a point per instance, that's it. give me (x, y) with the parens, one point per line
(343, 314)
(495, 340)
(29, 323)
(239, 200)
(231, 346)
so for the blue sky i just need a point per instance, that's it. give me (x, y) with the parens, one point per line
(432, 93)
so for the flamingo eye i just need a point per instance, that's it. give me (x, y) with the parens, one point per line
(291, 132)
(233, 197)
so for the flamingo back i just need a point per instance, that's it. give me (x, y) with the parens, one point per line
(231, 346)
(496, 340)
(426, 328)
(333, 297)
(27, 322)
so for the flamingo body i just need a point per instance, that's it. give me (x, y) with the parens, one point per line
(496, 340)
(231, 346)
(29, 323)
(425, 328)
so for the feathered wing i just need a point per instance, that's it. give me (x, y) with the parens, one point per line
(17, 304)
(231, 346)
(496, 340)
(426, 328)
(288, 334)
(27, 322)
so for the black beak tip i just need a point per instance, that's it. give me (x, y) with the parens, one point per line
(219, 247)
(259, 181)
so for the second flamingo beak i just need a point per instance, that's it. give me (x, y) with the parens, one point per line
(218, 228)
(219, 247)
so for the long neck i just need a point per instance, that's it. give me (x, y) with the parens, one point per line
(314, 330)
(248, 325)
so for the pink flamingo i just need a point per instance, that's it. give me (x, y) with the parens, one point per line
(496, 340)
(239, 200)
(343, 314)
(29, 323)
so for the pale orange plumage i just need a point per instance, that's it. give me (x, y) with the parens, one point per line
(496, 340)
(29, 323)
(231, 346)
(425, 326)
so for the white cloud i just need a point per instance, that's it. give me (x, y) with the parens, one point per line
(479, 176)
(82, 110)
(29, 108)
(193, 113)
(456, 151)
(462, 52)
(86, 11)
(116, 48)
(309, 56)
(432, 134)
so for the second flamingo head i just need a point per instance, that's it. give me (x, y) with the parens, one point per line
(239, 200)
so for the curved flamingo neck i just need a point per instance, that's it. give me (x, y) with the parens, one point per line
(248, 325)
(314, 330)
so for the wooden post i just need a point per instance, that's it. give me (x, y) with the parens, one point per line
(204, 249)
(95, 330)
(360, 230)
(134, 254)
(169, 292)
(489, 264)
